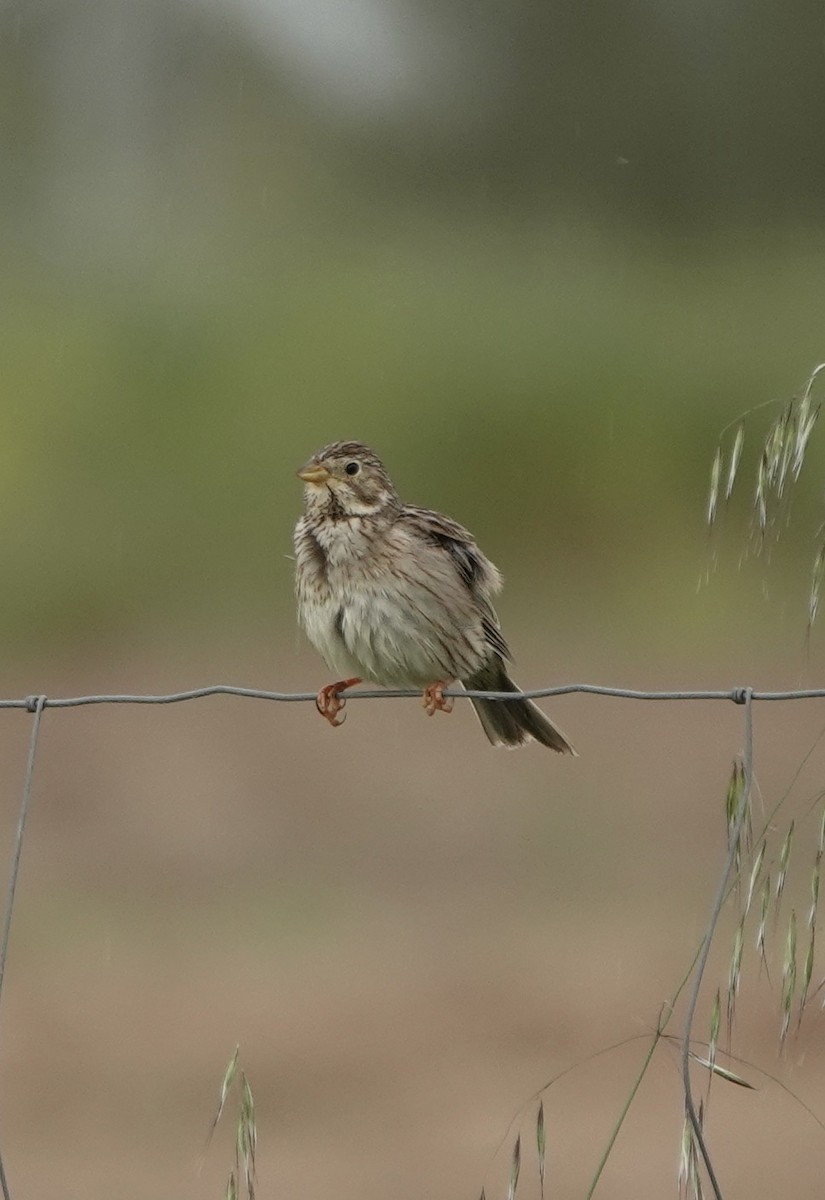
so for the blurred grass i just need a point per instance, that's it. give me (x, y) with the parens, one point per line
(558, 392)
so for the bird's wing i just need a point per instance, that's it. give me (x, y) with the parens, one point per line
(475, 570)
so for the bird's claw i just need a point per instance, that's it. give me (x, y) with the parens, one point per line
(434, 700)
(330, 702)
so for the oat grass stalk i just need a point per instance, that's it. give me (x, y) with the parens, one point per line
(723, 1072)
(810, 953)
(735, 973)
(788, 977)
(779, 464)
(784, 857)
(541, 1145)
(713, 1041)
(689, 1177)
(759, 884)
(807, 972)
(733, 800)
(241, 1182)
(722, 889)
(761, 931)
(756, 870)
(637, 1083)
(515, 1169)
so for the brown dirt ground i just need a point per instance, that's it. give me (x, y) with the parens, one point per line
(407, 933)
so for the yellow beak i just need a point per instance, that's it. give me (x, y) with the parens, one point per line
(313, 473)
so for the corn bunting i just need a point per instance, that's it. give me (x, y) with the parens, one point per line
(401, 596)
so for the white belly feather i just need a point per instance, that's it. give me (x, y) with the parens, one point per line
(405, 627)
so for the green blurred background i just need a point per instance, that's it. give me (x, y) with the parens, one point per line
(537, 255)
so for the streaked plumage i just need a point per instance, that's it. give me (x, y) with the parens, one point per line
(401, 596)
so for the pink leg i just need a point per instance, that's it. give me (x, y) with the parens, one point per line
(329, 702)
(434, 700)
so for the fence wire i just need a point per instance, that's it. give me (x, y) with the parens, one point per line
(736, 695)
(745, 696)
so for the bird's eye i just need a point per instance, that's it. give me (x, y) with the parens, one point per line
(352, 468)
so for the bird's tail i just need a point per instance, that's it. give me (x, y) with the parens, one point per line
(512, 722)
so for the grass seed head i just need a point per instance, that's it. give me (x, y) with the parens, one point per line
(515, 1168)
(541, 1144)
(788, 977)
(784, 856)
(735, 458)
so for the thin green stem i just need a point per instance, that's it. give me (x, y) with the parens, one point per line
(631, 1096)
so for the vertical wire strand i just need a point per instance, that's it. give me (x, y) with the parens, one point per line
(14, 871)
(699, 970)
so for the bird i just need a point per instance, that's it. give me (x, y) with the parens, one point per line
(401, 596)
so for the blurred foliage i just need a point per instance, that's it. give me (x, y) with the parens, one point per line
(538, 290)
(569, 402)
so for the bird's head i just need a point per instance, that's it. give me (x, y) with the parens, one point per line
(346, 479)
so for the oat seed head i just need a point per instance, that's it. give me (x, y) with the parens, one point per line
(692, 1188)
(735, 972)
(246, 1136)
(817, 577)
(788, 977)
(735, 458)
(754, 875)
(541, 1145)
(784, 856)
(515, 1168)
(779, 464)
(807, 974)
(226, 1084)
(715, 1019)
(715, 475)
(764, 909)
(734, 798)
(815, 881)
(723, 1072)
(684, 1156)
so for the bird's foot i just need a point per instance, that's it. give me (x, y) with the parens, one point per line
(329, 700)
(434, 700)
